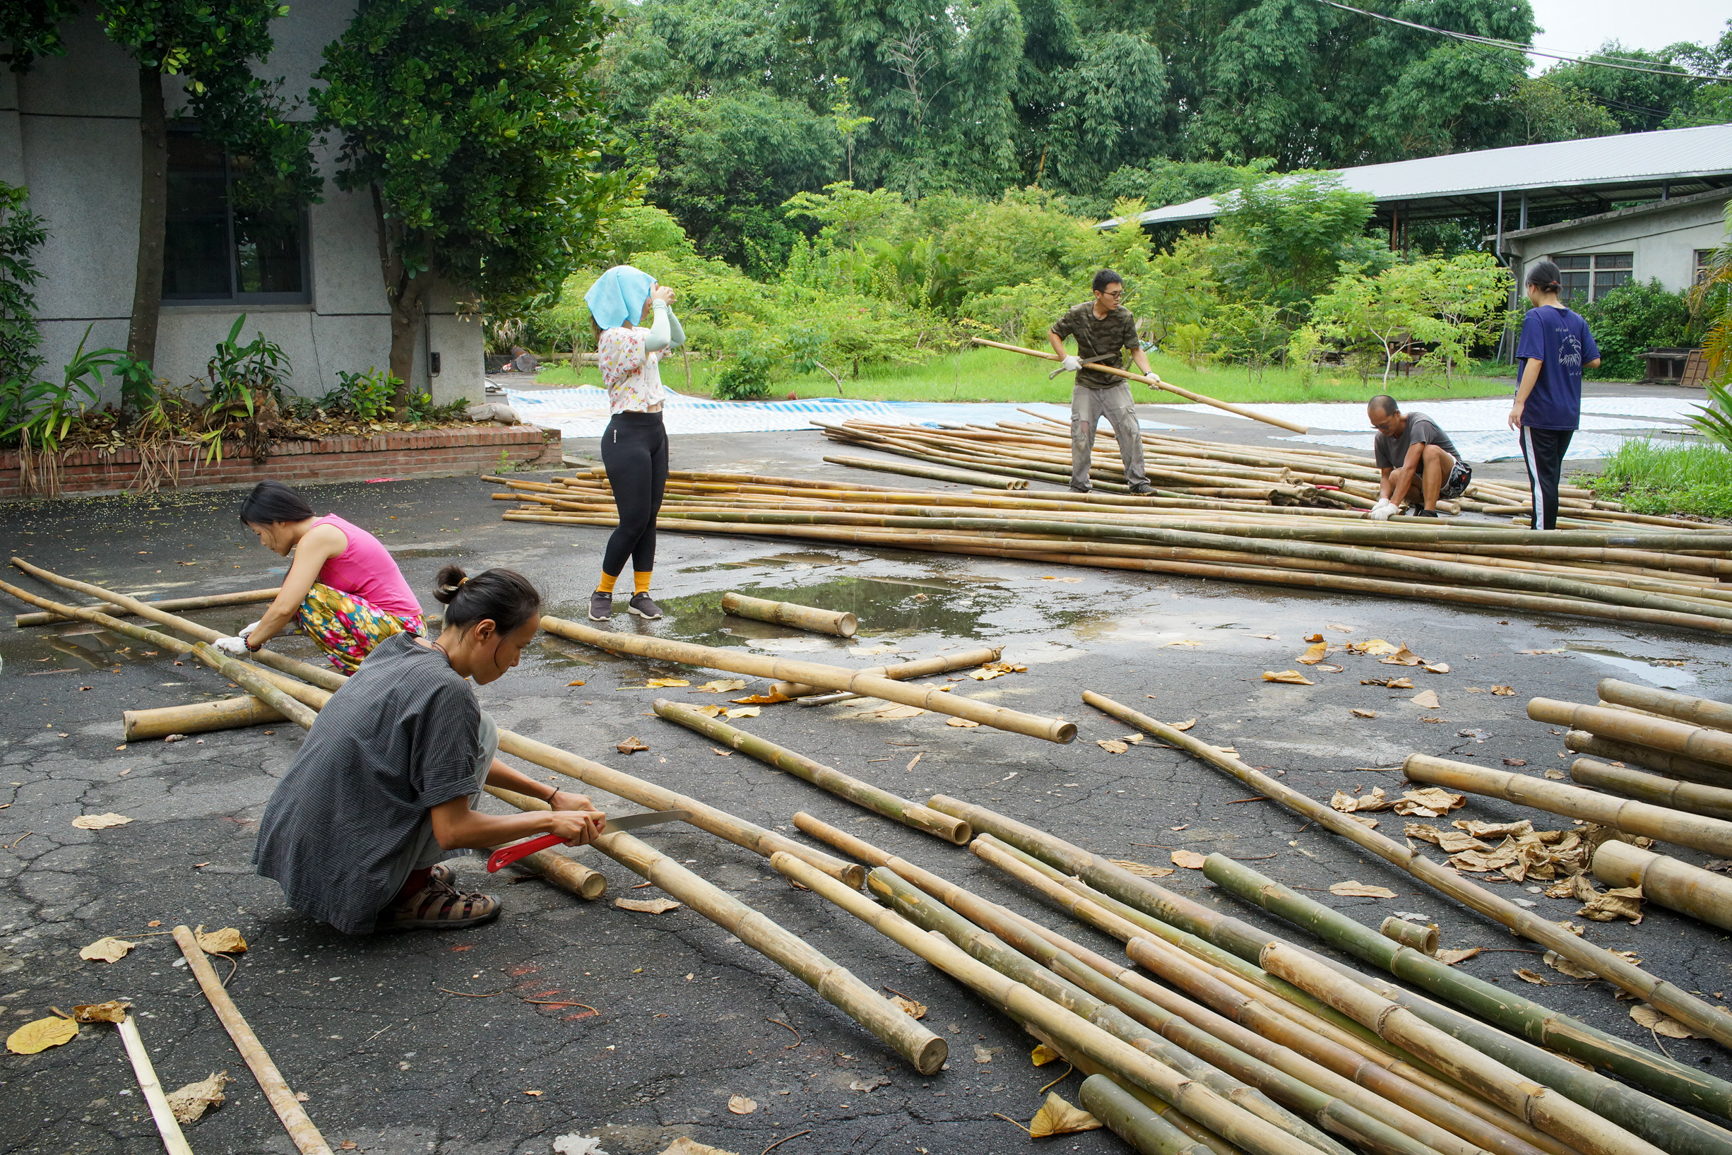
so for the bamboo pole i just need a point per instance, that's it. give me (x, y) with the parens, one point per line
(1675, 765)
(842, 785)
(838, 623)
(1673, 884)
(1715, 1022)
(1127, 1118)
(815, 674)
(902, 672)
(1197, 1101)
(208, 601)
(1545, 1108)
(1712, 801)
(1298, 1083)
(552, 865)
(306, 1137)
(1697, 742)
(318, 676)
(1694, 830)
(173, 1139)
(1155, 381)
(196, 718)
(931, 472)
(1484, 1003)
(925, 1051)
(1684, 707)
(1409, 934)
(1276, 1010)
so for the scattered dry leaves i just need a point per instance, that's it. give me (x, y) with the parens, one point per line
(1527, 976)
(647, 905)
(1371, 646)
(1402, 657)
(1313, 655)
(1438, 667)
(1288, 677)
(1503, 691)
(1365, 803)
(1182, 726)
(996, 670)
(708, 711)
(1042, 1055)
(761, 700)
(1430, 802)
(108, 949)
(578, 683)
(869, 1084)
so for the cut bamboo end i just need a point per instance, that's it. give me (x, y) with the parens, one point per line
(1410, 934)
(919, 668)
(1712, 801)
(1683, 707)
(840, 624)
(197, 718)
(1697, 742)
(1675, 765)
(1673, 884)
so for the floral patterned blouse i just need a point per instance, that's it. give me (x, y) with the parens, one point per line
(634, 380)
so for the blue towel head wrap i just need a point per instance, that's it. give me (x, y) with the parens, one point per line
(618, 296)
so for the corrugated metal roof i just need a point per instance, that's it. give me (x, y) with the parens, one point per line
(1667, 155)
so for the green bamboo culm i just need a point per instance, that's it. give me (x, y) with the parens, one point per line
(892, 806)
(1662, 1124)
(1124, 1116)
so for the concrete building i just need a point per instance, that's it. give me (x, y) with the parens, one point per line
(1669, 241)
(69, 133)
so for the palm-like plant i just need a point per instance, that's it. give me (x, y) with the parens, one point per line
(1711, 296)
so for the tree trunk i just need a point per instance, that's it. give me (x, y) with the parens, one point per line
(152, 216)
(403, 291)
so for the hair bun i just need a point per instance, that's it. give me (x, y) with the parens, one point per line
(449, 581)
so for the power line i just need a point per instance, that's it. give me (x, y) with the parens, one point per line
(1507, 45)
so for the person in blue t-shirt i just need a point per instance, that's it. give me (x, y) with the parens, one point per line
(1554, 348)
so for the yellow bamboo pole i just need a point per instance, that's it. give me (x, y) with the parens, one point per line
(306, 1137)
(1621, 725)
(173, 1140)
(1683, 707)
(1713, 801)
(244, 597)
(196, 718)
(837, 623)
(1673, 884)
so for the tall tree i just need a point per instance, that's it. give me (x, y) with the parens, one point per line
(475, 128)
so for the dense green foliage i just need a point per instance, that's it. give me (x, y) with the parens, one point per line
(21, 234)
(1668, 479)
(1631, 319)
(473, 126)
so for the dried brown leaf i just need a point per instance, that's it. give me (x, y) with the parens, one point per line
(722, 686)
(1042, 1055)
(113, 1011)
(1437, 667)
(961, 723)
(1563, 965)
(578, 683)
(869, 1083)
(107, 949)
(909, 1007)
(1503, 691)
(1428, 803)
(1317, 637)
(1058, 1117)
(1373, 646)
(1358, 713)
(760, 700)
(1353, 888)
(1111, 746)
(663, 683)
(1402, 657)
(1313, 655)
(1556, 775)
(631, 745)
(228, 940)
(40, 1034)
(1528, 976)
(647, 905)
(1189, 859)
(1661, 1024)
(1450, 957)
(1288, 677)
(1182, 726)
(740, 1105)
(190, 1102)
(744, 711)
(1340, 627)
(708, 711)
(99, 821)
(1141, 869)
(1425, 700)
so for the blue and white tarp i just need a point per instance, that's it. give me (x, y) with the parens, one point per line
(1480, 426)
(582, 412)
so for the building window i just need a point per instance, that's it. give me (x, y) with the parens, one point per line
(1704, 257)
(220, 245)
(1590, 277)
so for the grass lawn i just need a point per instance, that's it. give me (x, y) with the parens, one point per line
(1658, 478)
(993, 375)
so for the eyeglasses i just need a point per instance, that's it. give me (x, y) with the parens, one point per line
(1113, 292)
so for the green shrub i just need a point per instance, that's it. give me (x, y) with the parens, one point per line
(366, 395)
(1632, 319)
(747, 377)
(1668, 479)
(21, 234)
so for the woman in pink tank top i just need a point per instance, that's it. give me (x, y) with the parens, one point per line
(343, 589)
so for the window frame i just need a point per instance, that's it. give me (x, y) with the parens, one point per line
(236, 296)
(1581, 274)
(1699, 270)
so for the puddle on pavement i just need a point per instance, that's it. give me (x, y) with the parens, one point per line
(1663, 672)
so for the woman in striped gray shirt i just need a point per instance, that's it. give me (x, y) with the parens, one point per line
(385, 784)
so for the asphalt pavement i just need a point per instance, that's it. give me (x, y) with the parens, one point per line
(573, 1018)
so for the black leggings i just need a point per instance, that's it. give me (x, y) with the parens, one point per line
(634, 450)
(1544, 451)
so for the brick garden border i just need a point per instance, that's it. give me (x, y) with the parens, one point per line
(423, 453)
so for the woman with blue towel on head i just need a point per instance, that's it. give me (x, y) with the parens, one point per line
(634, 447)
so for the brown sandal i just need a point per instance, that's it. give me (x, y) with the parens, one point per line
(440, 906)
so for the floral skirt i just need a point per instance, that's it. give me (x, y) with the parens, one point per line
(347, 628)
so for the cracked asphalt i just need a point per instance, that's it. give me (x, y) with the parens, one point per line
(570, 1017)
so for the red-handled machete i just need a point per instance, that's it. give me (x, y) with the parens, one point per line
(506, 855)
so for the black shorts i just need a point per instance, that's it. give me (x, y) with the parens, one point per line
(1460, 477)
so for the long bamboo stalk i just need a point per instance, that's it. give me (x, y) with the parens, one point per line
(902, 672)
(1274, 1009)
(1675, 765)
(1483, 1002)
(1684, 707)
(1673, 884)
(925, 1051)
(931, 472)
(861, 793)
(1195, 1100)
(1155, 381)
(1328, 1100)
(306, 1137)
(567, 874)
(196, 718)
(1553, 1113)
(318, 676)
(173, 1140)
(816, 674)
(1698, 742)
(1694, 830)
(1712, 801)
(207, 601)
(837, 623)
(1715, 1022)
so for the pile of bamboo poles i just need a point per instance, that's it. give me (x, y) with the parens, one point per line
(1651, 574)
(296, 691)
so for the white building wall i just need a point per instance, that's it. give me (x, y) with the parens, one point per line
(1663, 241)
(69, 132)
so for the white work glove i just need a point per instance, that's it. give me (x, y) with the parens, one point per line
(233, 647)
(1383, 510)
(1070, 364)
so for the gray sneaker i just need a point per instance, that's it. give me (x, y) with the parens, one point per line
(643, 607)
(600, 606)
(1142, 489)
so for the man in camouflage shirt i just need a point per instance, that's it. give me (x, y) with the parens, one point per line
(1102, 328)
